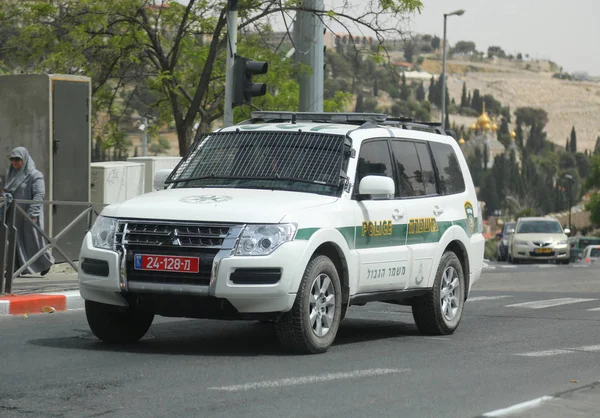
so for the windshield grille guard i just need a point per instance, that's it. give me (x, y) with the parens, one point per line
(311, 157)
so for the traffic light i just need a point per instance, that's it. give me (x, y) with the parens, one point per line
(243, 88)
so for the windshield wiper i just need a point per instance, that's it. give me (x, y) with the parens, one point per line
(249, 179)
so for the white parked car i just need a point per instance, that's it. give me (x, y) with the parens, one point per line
(539, 238)
(591, 254)
(292, 218)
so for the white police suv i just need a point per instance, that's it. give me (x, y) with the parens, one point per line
(292, 218)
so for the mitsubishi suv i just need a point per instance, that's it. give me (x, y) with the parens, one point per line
(291, 218)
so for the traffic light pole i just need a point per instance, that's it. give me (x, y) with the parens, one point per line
(231, 51)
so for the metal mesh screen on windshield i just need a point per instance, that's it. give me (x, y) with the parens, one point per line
(279, 160)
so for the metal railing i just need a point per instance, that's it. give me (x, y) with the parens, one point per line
(8, 231)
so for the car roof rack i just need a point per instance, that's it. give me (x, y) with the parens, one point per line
(366, 119)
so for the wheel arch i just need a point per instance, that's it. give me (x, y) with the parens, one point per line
(458, 248)
(336, 255)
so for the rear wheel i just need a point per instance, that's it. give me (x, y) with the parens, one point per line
(440, 311)
(312, 324)
(114, 326)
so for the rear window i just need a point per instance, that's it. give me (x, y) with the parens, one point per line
(448, 169)
(595, 252)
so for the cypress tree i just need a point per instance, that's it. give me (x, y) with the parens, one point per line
(404, 92)
(573, 140)
(420, 93)
(463, 97)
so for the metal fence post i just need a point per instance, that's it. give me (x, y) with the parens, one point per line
(3, 242)
(11, 234)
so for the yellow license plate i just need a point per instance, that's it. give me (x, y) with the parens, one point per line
(543, 250)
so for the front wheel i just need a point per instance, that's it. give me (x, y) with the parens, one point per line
(440, 311)
(117, 327)
(312, 324)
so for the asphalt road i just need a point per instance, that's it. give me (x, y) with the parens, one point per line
(527, 332)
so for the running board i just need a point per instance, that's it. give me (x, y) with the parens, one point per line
(395, 296)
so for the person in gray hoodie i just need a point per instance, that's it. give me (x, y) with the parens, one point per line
(25, 182)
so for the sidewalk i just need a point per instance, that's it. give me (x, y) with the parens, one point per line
(583, 401)
(34, 294)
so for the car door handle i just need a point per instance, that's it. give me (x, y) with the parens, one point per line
(397, 215)
(437, 211)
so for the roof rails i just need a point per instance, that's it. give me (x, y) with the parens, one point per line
(351, 117)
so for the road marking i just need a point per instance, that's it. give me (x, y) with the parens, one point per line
(309, 379)
(548, 353)
(545, 353)
(480, 298)
(539, 304)
(546, 266)
(587, 348)
(518, 407)
(508, 267)
(594, 310)
(438, 338)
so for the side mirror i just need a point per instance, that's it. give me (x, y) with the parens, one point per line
(567, 231)
(377, 186)
(159, 178)
(510, 231)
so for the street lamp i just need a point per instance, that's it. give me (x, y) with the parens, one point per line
(571, 181)
(459, 12)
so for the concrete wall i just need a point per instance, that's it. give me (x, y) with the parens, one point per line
(25, 119)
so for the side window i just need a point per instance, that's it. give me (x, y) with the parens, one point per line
(374, 160)
(426, 168)
(448, 168)
(408, 170)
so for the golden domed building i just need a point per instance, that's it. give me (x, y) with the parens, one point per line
(483, 136)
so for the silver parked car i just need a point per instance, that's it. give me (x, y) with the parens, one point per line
(538, 239)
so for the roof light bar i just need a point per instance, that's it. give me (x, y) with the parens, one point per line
(320, 116)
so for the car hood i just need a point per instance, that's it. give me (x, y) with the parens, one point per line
(540, 237)
(216, 205)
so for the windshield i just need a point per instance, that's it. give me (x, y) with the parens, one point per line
(293, 161)
(539, 227)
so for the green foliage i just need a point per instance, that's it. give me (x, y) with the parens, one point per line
(420, 92)
(573, 142)
(496, 51)
(531, 116)
(463, 48)
(463, 97)
(159, 146)
(525, 213)
(491, 249)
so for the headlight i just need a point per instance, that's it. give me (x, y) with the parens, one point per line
(264, 239)
(504, 242)
(519, 242)
(562, 242)
(103, 233)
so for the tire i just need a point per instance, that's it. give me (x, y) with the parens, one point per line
(567, 261)
(295, 329)
(433, 313)
(117, 327)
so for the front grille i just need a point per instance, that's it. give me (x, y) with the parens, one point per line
(541, 244)
(171, 239)
(173, 235)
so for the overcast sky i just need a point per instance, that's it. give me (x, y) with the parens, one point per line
(564, 31)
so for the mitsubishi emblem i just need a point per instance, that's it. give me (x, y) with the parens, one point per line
(173, 238)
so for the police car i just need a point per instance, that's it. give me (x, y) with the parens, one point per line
(292, 218)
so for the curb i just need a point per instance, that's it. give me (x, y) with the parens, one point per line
(37, 303)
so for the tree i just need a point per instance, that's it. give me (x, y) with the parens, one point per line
(463, 48)
(496, 51)
(404, 91)
(176, 50)
(463, 96)
(593, 183)
(520, 56)
(519, 136)
(567, 145)
(435, 43)
(420, 92)
(530, 116)
(409, 50)
(573, 142)
(476, 101)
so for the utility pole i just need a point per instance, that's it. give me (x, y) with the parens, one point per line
(308, 40)
(231, 51)
(455, 13)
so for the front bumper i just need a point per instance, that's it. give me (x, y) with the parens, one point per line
(279, 296)
(532, 252)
